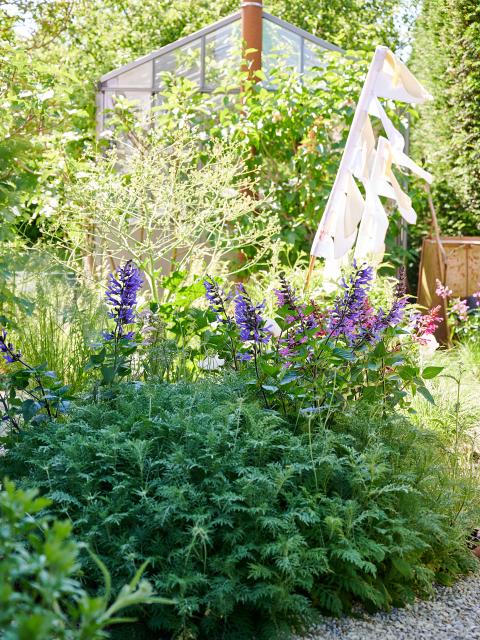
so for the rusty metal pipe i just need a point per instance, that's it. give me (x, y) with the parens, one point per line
(252, 12)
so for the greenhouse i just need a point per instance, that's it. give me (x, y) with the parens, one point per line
(208, 58)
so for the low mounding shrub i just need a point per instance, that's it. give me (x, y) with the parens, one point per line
(248, 522)
(40, 596)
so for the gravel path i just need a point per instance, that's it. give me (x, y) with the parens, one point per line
(453, 614)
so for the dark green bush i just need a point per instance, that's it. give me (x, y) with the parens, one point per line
(248, 525)
(446, 49)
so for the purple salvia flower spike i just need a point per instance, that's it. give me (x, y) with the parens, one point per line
(8, 350)
(121, 296)
(349, 309)
(217, 300)
(249, 319)
(372, 332)
(286, 295)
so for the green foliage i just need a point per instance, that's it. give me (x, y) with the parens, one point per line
(464, 318)
(447, 135)
(12, 305)
(455, 416)
(31, 394)
(247, 521)
(290, 133)
(40, 595)
(28, 393)
(24, 105)
(166, 211)
(172, 331)
(44, 116)
(290, 138)
(62, 319)
(112, 361)
(351, 24)
(54, 52)
(320, 358)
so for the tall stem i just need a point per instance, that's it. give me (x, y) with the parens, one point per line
(311, 451)
(37, 380)
(5, 407)
(258, 375)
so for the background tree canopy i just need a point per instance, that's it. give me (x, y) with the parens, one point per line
(446, 51)
(54, 52)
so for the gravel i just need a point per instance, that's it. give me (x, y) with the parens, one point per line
(452, 614)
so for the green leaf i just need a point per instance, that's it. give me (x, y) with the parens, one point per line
(270, 387)
(29, 408)
(431, 372)
(403, 567)
(344, 354)
(21, 379)
(186, 295)
(408, 372)
(174, 280)
(380, 350)
(289, 377)
(127, 348)
(394, 359)
(108, 374)
(426, 394)
(98, 358)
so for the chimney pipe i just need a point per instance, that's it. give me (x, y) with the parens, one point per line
(252, 11)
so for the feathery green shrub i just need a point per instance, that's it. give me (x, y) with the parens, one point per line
(249, 523)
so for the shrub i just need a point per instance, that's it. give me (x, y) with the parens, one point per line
(446, 47)
(40, 597)
(165, 209)
(247, 521)
(319, 358)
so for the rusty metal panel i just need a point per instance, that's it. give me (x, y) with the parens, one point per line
(462, 272)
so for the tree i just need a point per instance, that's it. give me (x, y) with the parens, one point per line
(54, 51)
(447, 135)
(43, 115)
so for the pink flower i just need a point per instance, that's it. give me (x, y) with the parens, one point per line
(460, 307)
(442, 290)
(426, 325)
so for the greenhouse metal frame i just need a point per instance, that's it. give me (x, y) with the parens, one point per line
(141, 80)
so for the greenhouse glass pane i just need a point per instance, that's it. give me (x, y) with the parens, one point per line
(141, 102)
(183, 61)
(113, 82)
(312, 57)
(139, 76)
(281, 48)
(222, 55)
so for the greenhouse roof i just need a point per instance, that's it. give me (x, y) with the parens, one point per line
(206, 57)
